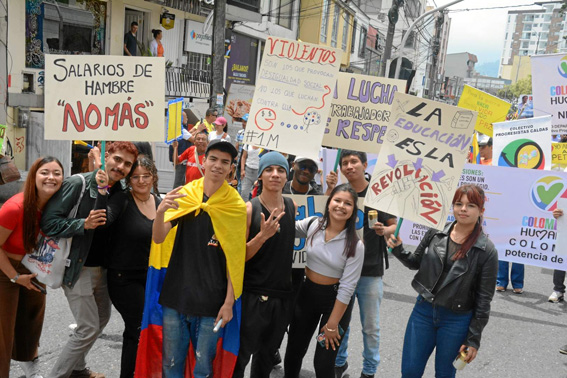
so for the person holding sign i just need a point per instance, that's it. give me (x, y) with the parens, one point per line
(456, 273)
(369, 290)
(193, 156)
(23, 305)
(335, 257)
(267, 296)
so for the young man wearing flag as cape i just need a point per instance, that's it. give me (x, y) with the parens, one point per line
(203, 282)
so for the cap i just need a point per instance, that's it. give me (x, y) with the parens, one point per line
(221, 121)
(272, 158)
(484, 140)
(245, 117)
(222, 145)
(299, 159)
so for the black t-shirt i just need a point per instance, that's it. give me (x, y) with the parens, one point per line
(196, 278)
(131, 43)
(131, 238)
(313, 189)
(375, 248)
(269, 271)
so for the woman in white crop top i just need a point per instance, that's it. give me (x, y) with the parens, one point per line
(334, 262)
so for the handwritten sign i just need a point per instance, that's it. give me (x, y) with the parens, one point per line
(2, 136)
(293, 97)
(360, 112)
(559, 156)
(490, 109)
(421, 160)
(104, 97)
(549, 87)
(174, 119)
(309, 206)
(518, 215)
(524, 143)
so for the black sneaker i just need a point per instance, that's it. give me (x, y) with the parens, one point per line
(341, 370)
(86, 373)
(562, 350)
(362, 375)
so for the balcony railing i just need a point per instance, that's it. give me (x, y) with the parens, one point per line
(181, 82)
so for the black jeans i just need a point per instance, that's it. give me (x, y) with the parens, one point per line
(312, 310)
(559, 281)
(263, 324)
(127, 290)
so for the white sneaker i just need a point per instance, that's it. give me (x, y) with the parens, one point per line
(555, 297)
(31, 368)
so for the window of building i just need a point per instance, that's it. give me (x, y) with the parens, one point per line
(525, 44)
(281, 11)
(346, 24)
(325, 20)
(353, 39)
(335, 29)
(527, 27)
(410, 42)
(362, 42)
(45, 33)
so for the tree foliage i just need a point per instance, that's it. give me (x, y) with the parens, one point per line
(512, 92)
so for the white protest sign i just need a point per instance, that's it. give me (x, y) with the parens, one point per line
(309, 206)
(293, 97)
(518, 215)
(421, 160)
(561, 244)
(360, 112)
(549, 88)
(523, 143)
(103, 97)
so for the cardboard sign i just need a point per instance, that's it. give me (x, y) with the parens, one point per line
(174, 120)
(523, 143)
(490, 109)
(518, 215)
(103, 97)
(360, 112)
(549, 87)
(421, 160)
(293, 97)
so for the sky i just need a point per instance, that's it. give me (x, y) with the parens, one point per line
(480, 32)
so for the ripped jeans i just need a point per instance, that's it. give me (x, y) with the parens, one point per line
(178, 331)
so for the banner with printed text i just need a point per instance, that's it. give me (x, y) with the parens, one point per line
(523, 143)
(421, 160)
(309, 206)
(518, 215)
(558, 156)
(490, 109)
(549, 88)
(360, 112)
(293, 96)
(103, 97)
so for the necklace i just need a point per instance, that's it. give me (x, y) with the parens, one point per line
(266, 206)
(141, 200)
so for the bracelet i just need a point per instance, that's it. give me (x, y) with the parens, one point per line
(330, 330)
(102, 187)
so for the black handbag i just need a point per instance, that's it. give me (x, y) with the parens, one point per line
(8, 170)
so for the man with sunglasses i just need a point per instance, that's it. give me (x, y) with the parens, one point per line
(304, 170)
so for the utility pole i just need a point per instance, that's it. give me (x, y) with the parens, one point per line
(218, 51)
(393, 15)
(435, 48)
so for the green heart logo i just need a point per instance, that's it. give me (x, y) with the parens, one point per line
(548, 193)
(564, 66)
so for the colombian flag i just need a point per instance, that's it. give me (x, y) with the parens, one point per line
(228, 215)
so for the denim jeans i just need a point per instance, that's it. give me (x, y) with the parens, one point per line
(430, 327)
(178, 331)
(516, 275)
(369, 292)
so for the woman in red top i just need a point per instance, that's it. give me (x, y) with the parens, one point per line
(23, 305)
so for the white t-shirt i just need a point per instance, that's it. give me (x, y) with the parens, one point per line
(253, 159)
(214, 136)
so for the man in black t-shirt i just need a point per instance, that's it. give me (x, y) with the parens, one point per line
(130, 41)
(197, 295)
(267, 292)
(369, 290)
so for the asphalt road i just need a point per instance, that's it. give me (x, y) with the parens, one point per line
(522, 338)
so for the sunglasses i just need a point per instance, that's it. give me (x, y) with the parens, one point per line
(310, 167)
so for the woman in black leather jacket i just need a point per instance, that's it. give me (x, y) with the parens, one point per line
(457, 270)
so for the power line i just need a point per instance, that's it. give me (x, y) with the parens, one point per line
(487, 8)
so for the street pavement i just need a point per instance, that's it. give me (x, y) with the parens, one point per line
(522, 338)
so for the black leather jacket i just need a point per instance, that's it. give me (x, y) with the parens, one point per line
(469, 285)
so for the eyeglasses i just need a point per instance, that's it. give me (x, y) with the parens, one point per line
(310, 167)
(144, 178)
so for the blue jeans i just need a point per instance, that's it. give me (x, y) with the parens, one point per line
(178, 330)
(369, 292)
(432, 327)
(516, 275)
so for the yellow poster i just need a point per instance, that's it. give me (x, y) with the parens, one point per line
(558, 156)
(490, 109)
(174, 119)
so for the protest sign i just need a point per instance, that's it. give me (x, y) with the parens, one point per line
(238, 103)
(174, 120)
(2, 136)
(558, 156)
(360, 112)
(549, 87)
(103, 97)
(293, 97)
(523, 143)
(309, 206)
(421, 160)
(518, 215)
(490, 109)
(525, 106)
(561, 243)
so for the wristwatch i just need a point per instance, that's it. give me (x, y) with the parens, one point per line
(13, 280)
